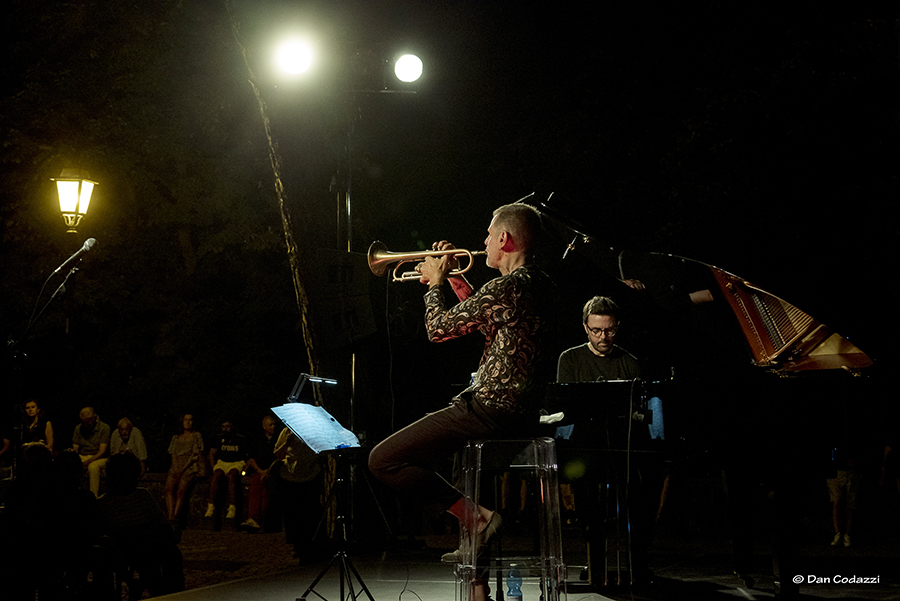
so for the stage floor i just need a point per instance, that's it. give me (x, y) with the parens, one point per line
(685, 568)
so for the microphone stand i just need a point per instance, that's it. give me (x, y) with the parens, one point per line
(12, 344)
(13, 354)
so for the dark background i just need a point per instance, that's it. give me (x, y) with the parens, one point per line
(763, 143)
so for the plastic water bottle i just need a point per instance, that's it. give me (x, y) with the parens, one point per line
(514, 582)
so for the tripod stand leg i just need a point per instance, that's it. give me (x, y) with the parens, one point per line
(318, 578)
(365, 589)
(346, 572)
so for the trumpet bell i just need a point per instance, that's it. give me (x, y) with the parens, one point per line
(379, 258)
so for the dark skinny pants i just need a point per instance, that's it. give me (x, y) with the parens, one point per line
(404, 461)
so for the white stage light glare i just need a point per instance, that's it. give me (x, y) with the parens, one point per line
(408, 68)
(294, 57)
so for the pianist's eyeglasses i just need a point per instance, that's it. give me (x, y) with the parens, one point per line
(610, 332)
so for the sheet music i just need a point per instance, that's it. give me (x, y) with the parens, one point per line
(316, 427)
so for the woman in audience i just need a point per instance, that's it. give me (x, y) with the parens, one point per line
(186, 450)
(36, 427)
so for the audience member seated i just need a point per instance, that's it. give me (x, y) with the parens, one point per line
(300, 488)
(186, 450)
(228, 457)
(80, 529)
(128, 439)
(28, 504)
(890, 470)
(141, 536)
(54, 523)
(91, 441)
(6, 455)
(6, 466)
(843, 490)
(36, 426)
(262, 482)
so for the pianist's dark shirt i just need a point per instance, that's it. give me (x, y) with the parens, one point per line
(580, 364)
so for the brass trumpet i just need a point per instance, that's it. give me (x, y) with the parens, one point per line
(380, 258)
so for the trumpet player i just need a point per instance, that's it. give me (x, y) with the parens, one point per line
(516, 314)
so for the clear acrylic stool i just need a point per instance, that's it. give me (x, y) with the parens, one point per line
(533, 459)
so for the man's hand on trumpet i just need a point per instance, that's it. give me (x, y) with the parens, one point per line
(434, 271)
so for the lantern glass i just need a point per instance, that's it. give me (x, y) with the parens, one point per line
(68, 195)
(84, 199)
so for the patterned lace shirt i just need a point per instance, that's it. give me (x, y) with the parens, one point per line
(516, 314)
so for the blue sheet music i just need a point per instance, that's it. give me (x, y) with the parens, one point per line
(316, 427)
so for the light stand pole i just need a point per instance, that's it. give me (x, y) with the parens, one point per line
(407, 69)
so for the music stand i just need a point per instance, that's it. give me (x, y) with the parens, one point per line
(602, 413)
(324, 434)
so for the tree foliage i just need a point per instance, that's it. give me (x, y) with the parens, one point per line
(185, 302)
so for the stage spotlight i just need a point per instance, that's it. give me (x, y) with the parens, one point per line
(408, 68)
(294, 57)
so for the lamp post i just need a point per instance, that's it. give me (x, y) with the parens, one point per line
(74, 190)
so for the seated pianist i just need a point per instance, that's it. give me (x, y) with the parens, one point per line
(599, 360)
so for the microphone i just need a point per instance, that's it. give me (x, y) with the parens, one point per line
(88, 245)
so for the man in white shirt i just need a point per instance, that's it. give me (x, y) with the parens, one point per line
(128, 439)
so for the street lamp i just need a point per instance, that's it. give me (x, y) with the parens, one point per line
(74, 190)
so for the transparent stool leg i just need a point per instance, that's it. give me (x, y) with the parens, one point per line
(535, 460)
